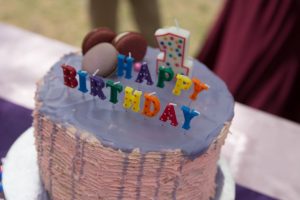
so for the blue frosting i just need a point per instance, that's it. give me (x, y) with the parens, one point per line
(126, 130)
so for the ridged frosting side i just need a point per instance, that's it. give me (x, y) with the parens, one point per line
(75, 165)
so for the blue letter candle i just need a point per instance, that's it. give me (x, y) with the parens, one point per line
(188, 116)
(125, 63)
(82, 81)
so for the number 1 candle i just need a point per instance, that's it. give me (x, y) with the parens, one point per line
(173, 43)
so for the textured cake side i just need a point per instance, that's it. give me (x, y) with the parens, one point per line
(75, 165)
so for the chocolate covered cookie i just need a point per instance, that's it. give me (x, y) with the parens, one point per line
(131, 42)
(97, 36)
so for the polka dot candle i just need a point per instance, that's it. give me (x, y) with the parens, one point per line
(173, 43)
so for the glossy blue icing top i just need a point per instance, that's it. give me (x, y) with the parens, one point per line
(126, 130)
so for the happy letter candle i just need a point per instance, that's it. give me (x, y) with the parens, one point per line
(182, 83)
(164, 74)
(144, 74)
(125, 63)
(132, 98)
(173, 43)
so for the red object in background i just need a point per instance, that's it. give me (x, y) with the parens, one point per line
(255, 48)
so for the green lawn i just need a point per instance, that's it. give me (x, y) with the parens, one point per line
(68, 21)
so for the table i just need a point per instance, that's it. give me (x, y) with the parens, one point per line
(262, 149)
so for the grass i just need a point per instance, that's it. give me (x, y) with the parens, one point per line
(68, 20)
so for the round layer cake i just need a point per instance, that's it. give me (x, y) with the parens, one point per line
(89, 148)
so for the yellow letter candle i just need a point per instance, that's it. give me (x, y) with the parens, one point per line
(182, 83)
(132, 99)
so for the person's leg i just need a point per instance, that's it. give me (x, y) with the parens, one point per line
(146, 13)
(103, 13)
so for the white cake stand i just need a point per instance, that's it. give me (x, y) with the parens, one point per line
(21, 180)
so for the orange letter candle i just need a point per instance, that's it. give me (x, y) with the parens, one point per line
(151, 100)
(198, 87)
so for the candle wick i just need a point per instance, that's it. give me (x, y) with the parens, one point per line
(176, 23)
(115, 83)
(152, 93)
(129, 54)
(173, 104)
(197, 112)
(94, 74)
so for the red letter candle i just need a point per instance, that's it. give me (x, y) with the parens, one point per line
(69, 76)
(169, 114)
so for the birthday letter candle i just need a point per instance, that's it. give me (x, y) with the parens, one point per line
(173, 43)
(132, 99)
(149, 110)
(69, 76)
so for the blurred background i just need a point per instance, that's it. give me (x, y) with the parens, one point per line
(68, 20)
(251, 45)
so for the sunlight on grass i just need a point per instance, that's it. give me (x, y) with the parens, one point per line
(68, 21)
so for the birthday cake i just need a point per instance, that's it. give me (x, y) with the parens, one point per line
(131, 130)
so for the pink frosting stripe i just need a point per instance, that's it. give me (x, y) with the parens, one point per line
(75, 165)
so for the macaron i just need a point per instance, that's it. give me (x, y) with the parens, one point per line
(131, 42)
(102, 56)
(96, 36)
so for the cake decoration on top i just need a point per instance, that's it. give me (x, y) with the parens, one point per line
(93, 64)
(173, 43)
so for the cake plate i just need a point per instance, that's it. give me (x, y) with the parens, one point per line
(21, 180)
